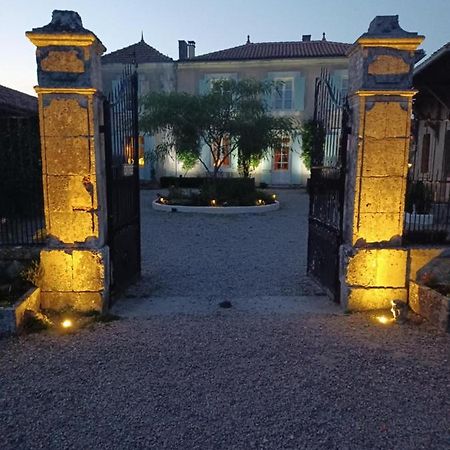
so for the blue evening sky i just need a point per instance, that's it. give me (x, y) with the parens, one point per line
(213, 24)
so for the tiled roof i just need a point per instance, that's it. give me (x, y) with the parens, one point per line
(137, 53)
(439, 53)
(16, 102)
(278, 50)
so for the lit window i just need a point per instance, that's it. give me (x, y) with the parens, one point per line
(283, 94)
(281, 155)
(129, 152)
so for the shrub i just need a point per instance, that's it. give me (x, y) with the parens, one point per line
(232, 191)
(182, 182)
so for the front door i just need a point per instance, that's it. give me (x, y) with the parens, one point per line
(281, 163)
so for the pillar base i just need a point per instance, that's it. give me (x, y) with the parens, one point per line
(76, 279)
(371, 277)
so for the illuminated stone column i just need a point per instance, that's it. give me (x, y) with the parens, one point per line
(373, 265)
(75, 263)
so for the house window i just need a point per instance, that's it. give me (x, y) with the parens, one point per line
(283, 94)
(207, 82)
(129, 152)
(425, 159)
(223, 154)
(281, 155)
(141, 150)
(446, 164)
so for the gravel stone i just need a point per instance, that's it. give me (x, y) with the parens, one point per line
(236, 255)
(237, 378)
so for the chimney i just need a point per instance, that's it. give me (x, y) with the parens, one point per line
(191, 49)
(182, 50)
(306, 38)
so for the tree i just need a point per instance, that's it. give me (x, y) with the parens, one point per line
(232, 117)
(313, 140)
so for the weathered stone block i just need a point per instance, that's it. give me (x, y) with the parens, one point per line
(388, 65)
(70, 193)
(69, 156)
(65, 117)
(391, 201)
(57, 267)
(77, 301)
(386, 120)
(420, 257)
(89, 270)
(76, 227)
(387, 157)
(63, 61)
(363, 299)
(378, 227)
(377, 268)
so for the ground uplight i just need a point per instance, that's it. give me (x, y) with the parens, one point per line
(67, 323)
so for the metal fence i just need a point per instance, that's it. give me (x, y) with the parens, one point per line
(427, 206)
(21, 193)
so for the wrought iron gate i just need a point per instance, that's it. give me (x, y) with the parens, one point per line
(122, 174)
(326, 188)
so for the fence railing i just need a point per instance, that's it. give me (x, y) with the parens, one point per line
(427, 206)
(21, 194)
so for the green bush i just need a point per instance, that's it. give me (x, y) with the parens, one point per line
(232, 191)
(182, 182)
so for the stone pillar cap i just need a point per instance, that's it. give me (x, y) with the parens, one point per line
(65, 28)
(385, 31)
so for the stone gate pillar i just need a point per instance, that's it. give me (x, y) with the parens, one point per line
(75, 261)
(373, 265)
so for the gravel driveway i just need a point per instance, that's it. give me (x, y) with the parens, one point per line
(224, 256)
(239, 378)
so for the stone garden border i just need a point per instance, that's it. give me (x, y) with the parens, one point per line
(11, 317)
(216, 209)
(430, 304)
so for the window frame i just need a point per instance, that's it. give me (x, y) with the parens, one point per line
(277, 94)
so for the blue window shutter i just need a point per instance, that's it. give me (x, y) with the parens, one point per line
(299, 94)
(203, 86)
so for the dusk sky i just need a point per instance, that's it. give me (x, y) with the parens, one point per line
(213, 24)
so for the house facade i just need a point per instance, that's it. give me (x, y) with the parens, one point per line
(430, 156)
(157, 73)
(295, 64)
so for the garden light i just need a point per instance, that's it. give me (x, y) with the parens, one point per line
(274, 196)
(67, 323)
(384, 320)
(213, 202)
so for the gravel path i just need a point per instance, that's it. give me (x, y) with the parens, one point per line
(241, 378)
(221, 256)
(228, 381)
